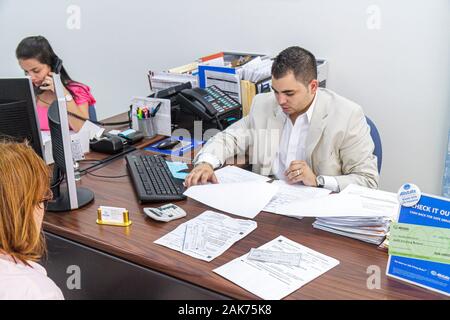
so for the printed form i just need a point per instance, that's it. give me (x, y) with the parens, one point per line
(207, 236)
(289, 193)
(274, 281)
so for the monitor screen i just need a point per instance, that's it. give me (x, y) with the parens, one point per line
(18, 115)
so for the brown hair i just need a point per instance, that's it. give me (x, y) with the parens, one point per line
(299, 61)
(24, 183)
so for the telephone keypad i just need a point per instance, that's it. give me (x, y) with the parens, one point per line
(220, 100)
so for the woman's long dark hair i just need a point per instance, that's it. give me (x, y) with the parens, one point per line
(38, 47)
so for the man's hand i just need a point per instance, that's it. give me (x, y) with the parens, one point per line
(299, 171)
(201, 174)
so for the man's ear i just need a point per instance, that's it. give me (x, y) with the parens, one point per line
(313, 86)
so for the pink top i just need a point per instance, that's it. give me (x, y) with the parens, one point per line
(81, 94)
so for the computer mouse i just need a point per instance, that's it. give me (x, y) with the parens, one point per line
(167, 144)
(108, 145)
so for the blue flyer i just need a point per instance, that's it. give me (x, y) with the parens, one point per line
(419, 244)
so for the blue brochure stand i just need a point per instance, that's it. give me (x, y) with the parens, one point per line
(428, 274)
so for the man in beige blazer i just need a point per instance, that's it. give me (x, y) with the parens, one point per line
(298, 132)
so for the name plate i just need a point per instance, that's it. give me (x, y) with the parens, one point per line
(113, 216)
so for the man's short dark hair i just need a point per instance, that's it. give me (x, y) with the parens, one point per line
(297, 60)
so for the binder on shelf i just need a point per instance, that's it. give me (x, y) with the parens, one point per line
(264, 85)
(248, 91)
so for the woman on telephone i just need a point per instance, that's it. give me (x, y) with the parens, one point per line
(37, 58)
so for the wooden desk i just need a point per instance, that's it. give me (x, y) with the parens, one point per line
(118, 262)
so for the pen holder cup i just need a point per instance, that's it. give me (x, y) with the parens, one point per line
(147, 128)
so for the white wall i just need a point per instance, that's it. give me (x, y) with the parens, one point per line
(399, 73)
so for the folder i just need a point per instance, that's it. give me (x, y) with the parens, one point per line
(248, 91)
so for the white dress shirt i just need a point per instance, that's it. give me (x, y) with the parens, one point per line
(292, 147)
(21, 282)
(293, 141)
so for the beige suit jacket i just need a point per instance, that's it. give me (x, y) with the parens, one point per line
(338, 142)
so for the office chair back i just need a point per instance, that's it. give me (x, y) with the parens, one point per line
(378, 152)
(92, 113)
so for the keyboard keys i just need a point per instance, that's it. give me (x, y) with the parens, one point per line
(152, 178)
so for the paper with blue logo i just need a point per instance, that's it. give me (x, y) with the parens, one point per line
(419, 244)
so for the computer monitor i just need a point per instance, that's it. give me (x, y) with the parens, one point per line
(18, 115)
(19, 122)
(69, 196)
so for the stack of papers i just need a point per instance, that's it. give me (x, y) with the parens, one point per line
(377, 210)
(367, 229)
(208, 235)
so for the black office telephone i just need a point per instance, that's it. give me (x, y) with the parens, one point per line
(56, 68)
(209, 103)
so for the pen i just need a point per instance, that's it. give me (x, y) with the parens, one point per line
(156, 109)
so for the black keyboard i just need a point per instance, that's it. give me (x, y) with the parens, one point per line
(152, 179)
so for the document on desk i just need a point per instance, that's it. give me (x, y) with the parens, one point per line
(288, 193)
(373, 199)
(355, 202)
(80, 139)
(93, 130)
(235, 198)
(208, 235)
(230, 174)
(273, 281)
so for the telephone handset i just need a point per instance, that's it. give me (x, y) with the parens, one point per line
(208, 103)
(56, 68)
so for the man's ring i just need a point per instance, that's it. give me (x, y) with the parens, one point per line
(298, 172)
